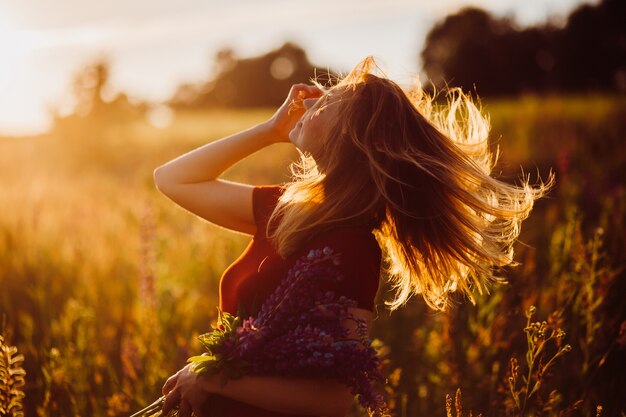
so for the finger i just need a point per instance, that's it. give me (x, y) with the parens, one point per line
(312, 91)
(169, 384)
(298, 103)
(301, 91)
(295, 89)
(199, 409)
(171, 401)
(315, 90)
(185, 409)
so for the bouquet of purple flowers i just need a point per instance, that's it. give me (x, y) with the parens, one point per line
(299, 332)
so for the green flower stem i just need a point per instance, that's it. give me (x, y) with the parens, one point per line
(149, 410)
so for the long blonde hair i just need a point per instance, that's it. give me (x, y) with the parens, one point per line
(418, 174)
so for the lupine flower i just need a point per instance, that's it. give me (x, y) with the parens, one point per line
(298, 332)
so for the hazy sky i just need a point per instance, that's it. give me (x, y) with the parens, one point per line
(153, 45)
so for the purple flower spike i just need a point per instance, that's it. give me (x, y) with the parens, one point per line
(298, 332)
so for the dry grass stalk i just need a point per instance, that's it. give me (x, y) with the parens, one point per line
(458, 407)
(448, 405)
(11, 380)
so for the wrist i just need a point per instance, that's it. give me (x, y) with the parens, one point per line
(276, 131)
(266, 133)
(210, 382)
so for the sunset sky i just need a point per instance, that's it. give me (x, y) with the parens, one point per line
(153, 45)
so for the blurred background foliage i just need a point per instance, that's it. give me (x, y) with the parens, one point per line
(105, 284)
(473, 49)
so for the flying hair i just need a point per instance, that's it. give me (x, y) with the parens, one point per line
(418, 172)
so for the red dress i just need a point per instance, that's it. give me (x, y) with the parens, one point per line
(256, 273)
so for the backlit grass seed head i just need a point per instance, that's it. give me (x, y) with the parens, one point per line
(11, 381)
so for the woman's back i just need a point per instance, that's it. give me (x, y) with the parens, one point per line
(246, 283)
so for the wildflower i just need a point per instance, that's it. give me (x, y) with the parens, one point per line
(298, 332)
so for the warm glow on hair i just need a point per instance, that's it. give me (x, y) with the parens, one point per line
(418, 173)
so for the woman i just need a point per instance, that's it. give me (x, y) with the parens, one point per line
(378, 165)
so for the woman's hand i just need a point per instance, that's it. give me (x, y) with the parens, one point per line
(288, 114)
(188, 390)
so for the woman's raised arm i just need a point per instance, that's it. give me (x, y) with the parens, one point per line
(191, 180)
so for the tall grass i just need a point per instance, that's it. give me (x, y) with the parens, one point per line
(105, 284)
(11, 380)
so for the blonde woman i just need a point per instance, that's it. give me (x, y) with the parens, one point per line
(385, 175)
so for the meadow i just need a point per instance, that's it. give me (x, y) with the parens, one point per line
(105, 284)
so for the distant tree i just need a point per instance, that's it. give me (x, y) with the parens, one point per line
(95, 101)
(593, 47)
(472, 47)
(465, 49)
(88, 87)
(250, 82)
(225, 60)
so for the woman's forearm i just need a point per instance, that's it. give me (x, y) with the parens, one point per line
(207, 162)
(324, 397)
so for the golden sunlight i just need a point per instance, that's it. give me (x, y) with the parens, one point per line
(12, 52)
(16, 86)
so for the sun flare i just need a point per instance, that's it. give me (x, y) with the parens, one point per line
(17, 88)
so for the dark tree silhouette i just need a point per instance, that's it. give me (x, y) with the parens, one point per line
(465, 48)
(251, 82)
(593, 47)
(472, 47)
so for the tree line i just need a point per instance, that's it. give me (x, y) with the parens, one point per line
(471, 49)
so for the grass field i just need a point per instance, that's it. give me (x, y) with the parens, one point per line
(105, 284)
